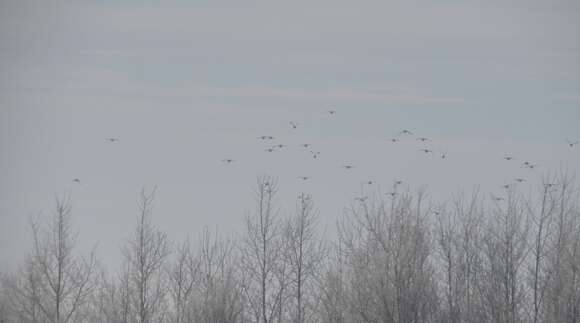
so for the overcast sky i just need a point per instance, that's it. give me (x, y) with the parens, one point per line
(185, 84)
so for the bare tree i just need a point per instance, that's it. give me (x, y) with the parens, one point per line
(182, 277)
(218, 292)
(447, 238)
(110, 301)
(146, 254)
(573, 262)
(305, 253)
(505, 249)
(391, 276)
(260, 256)
(23, 292)
(562, 297)
(540, 231)
(63, 283)
(331, 292)
(4, 307)
(459, 235)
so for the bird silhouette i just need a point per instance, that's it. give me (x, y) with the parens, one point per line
(519, 180)
(423, 139)
(398, 182)
(112, 139)
(393, 139)
(405, 132)
(279, 146)
(572, 143)
(508, 158)
(332, 112)
(347, 166)
(270, 150)
(361, 199)
(427, 151)
(443, 155)
(497, 198)
(531, 166)
(293, 125)
(315, 154)
(228, 160)
(303, 177)
(506, 186)
(369, 182)
(266, 137)
(76, 180)
(392, 194)
(305, 145)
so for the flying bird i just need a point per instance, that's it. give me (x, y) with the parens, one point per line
(508, 158)
(279, 146)
(427, 151)
(332, 112)
(266, 137)
(361, 199)
(443, 155)
(315, 154)
(405, 132)
(506, 186)
(392, 194)
(519, 180)
(572, 143)
(369, 182)
(423, 139)
(398, 182)
(270, 150)
(293, 125)
(305, 145)
(497, 198)
(529, 165)
(347, 166)
(76, 180)
(112, 139)
(393, 139)
(228, 160)
(303, 177)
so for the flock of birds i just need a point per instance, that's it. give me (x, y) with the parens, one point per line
(397, 182)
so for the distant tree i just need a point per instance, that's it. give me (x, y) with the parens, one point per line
(304, 253)
(183, 274)
(22, 291)
(218, 295)
(504, 251)
(331, 292)
(389, 257)
(459, 233)
(541, 220)
(66, 281)
(146, 255)
(261, 256)
(54, 285)
(562, 300)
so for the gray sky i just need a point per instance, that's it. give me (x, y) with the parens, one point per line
(185, 84)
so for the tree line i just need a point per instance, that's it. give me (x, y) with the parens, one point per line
(402, 258)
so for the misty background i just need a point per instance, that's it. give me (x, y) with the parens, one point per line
(184, 85)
